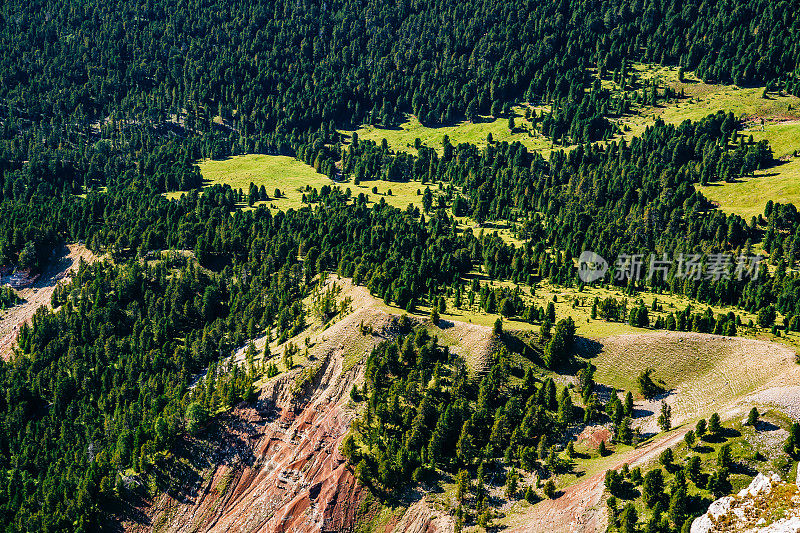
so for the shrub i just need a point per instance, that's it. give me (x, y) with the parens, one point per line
(752, 418)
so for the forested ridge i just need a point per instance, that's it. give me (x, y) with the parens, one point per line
(104, 106)
(76, 71)
(157, 326)
(283, 65)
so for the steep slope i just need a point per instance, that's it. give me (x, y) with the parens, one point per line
(275, 465)
(64, 262)
(704, 373)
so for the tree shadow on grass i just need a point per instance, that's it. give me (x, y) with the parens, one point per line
(730, 433)
(765, 426)
(603, 392)
(587, 348)
(628, 491)
(741, 468)
(712, 438)
(515, 344)
(703, 449)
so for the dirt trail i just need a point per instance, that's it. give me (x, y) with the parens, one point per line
(724, 374)
(276, 466)
(578, 508)
(66, 260)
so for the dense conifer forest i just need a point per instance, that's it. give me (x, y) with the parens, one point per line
(104, 106)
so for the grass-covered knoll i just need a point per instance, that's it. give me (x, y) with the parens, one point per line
(701, 373)
(291, 176)
(403, 137)
(747, 197)
(702, 99)
(272, 171)
(572, 302)
(397, 194)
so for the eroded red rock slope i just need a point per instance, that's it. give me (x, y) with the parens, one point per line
(275, 466)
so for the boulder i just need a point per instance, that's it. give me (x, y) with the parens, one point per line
(727, 505)
(705, 523)
(760, 483)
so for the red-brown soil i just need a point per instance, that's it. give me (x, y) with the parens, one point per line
(275, 466)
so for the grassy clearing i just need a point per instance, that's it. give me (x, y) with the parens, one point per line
(502, 229)
(292, 177)
(101, 190)
(747, 197)
(402, 193)
(781, 129)
(403, 137)
(570, 301)
(703, 99)
(781, 183)
(589, 462)
(286, 173)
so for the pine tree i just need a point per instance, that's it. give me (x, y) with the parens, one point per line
(512, 480)
(550, 489)
(629, 404)
(752, 417)
(714, 426)
(653, 487)
(628, 519)
(724, 456)
(690, 439)
(700, 428)
(498, 327)
(665, 418)
(551, 312)
(666, 458)
(565, 407)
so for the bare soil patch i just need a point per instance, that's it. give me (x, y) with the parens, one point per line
(275, 466)
(65, 261)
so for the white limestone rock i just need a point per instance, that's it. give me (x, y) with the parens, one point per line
(705, 523)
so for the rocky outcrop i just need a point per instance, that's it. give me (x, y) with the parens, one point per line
(754, 509)
(275, 466)
(420, 518)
